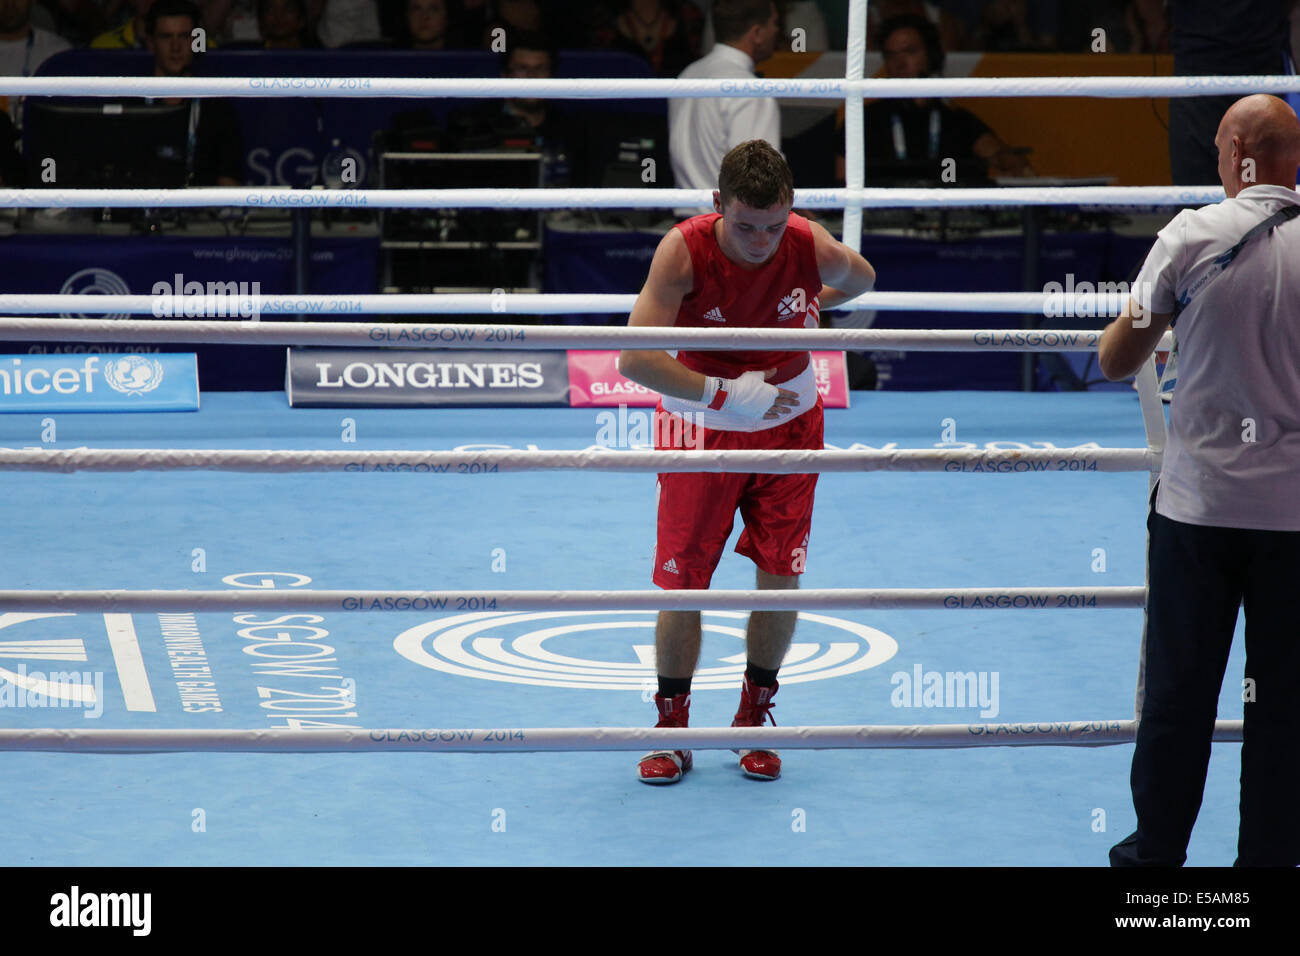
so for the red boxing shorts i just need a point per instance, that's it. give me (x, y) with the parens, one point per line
(697, 511)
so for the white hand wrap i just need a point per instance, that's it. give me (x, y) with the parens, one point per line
(749, 394)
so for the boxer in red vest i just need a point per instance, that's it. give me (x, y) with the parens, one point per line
(752, 263)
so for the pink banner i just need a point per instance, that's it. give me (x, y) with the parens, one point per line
(594, 381)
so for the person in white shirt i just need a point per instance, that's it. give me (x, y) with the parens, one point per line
(348, 21)
(702, 131)
(1224, 526)
(24, 47)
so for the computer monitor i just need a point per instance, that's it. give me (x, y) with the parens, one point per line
(123, 144)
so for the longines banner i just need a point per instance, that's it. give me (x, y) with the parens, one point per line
(342, 378)
(393, 377)
(161, 382)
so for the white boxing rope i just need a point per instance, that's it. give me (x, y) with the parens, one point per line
(593, 198)
(607, 88)
(810, 599)
(489, 462)
(541, 337)
(1110, 299)
(1064, 733)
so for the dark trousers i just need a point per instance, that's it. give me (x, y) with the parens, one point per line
(1198, 578)
(1193, 124)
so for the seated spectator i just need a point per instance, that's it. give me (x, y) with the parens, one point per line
(214, 154)
(514, 16)
(230, 22)
(908, 141)
(520, 120)
(879, 11)
(130, 35)
(428, 26)
(664, 32)
(348, 23)
(1006, 26)
(77, 21)
(283, 24)
(24, 47)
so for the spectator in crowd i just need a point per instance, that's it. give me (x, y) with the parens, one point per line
(525, 120)
(131, 34)
(702, 131)
(511, 17)
(348, 22)
(1218, 37)
(77, 21)
(23, 46)
(214, 155)
(1011, 26)
(664, 32)
(880, 11)
(428, 26)
(911, 140)
(282, 24)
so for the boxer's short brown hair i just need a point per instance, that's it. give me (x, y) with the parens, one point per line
(757, 175)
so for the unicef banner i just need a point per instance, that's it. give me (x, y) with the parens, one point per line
(344, 378)
(99, 383)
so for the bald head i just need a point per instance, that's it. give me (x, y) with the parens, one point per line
(1259, 144)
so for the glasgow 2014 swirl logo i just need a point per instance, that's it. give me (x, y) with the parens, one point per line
(614, 650)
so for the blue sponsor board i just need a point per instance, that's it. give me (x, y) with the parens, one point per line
(161, 382)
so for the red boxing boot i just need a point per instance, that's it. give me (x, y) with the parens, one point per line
(667, 766)
(755, 710)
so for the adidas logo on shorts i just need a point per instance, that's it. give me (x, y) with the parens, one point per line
(715, 315)
(671, 566)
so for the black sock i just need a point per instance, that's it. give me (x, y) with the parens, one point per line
(758, 675)
(674, 686)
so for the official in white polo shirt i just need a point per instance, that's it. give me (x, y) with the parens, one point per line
(1225, 520)
(702, 131)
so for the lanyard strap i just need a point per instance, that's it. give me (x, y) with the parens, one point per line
(1221, 262)
(900, 138)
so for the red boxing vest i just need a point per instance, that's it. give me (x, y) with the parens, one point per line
(724, 295)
